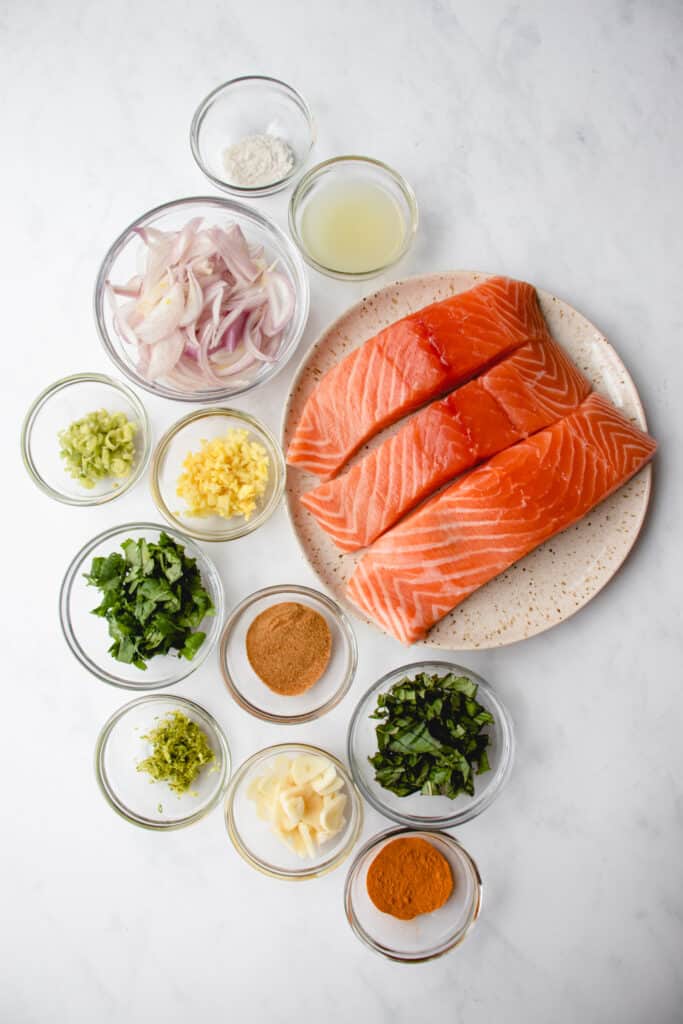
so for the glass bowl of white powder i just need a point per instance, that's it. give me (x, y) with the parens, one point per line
(251, 136)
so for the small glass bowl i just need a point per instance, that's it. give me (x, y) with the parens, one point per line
(417, 810)
(252, 694)
(348, 169)
(261, 848)
(186, 436)
(54, 410)
(252, 105)
(135, 795)
(87, 634)
(427, 936)
(120, 264)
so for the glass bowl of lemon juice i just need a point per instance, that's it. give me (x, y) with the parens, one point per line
(352, 217)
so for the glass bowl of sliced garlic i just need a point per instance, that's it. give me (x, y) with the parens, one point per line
(293, 811)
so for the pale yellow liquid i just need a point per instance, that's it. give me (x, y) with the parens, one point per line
(352, 227)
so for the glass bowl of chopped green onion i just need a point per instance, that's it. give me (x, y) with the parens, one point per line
(426, 936)
(86, 439)
(162, 762)
(141, 606)
(217, 474)
(430, 745)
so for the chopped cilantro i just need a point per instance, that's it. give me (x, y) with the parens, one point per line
(152, 598)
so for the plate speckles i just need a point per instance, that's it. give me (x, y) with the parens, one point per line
(556, 579)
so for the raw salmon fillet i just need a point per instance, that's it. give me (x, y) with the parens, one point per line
(486, 521)
(407, 364)
(528, 391)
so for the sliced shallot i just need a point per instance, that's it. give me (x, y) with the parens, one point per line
(204, 306)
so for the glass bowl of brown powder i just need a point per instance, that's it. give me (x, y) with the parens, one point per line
(288, 654)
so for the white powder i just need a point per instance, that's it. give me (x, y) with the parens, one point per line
(257, 161)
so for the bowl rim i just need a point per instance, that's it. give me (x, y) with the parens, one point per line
(352, 158)
(498, 779)
(300, 283)
(256, 520)
(249, 191)
(108, 791)
(41, 401)
(432, 954)
(303, 874)
(345, 626)
(69, 633)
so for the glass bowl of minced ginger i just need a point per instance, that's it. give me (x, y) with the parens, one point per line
(217, 474)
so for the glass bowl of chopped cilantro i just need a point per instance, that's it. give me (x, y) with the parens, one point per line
(217, 474)
(141, 606)
(86, 439)
(430, 745)
(162, 762)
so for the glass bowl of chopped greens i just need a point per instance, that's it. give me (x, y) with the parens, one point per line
(427, 935)
(430, 745)
(292, 811)
(252, 135)
(86, 439)
(217, 474)
(141, 606)
(162, 762)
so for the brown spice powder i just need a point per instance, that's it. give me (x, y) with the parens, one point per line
(288, 647)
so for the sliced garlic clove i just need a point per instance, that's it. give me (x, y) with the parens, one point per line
(332, 817)
(332, 787)
(254, 788)
(307, 767)
(297, 844)
(326, 778)
(281, 766)
(282, 822)
(313, 809)
(293, 806)
(306, 838)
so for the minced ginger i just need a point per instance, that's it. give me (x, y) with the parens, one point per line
(226, 477)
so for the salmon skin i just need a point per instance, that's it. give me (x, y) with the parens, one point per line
(526, 392)
(407, 364)
(486, 521)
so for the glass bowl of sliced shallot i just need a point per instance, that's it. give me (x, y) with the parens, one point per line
(201, 299)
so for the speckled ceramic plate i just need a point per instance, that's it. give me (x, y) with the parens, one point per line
(556, 579)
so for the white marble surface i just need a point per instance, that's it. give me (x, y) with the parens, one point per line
(543, 141)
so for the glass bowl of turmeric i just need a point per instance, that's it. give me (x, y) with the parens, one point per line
(293, 812)
(288, 654)
(86, 439)
(217, 474)
(411, 895)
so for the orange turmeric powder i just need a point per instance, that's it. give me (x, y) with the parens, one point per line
(409, 877)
